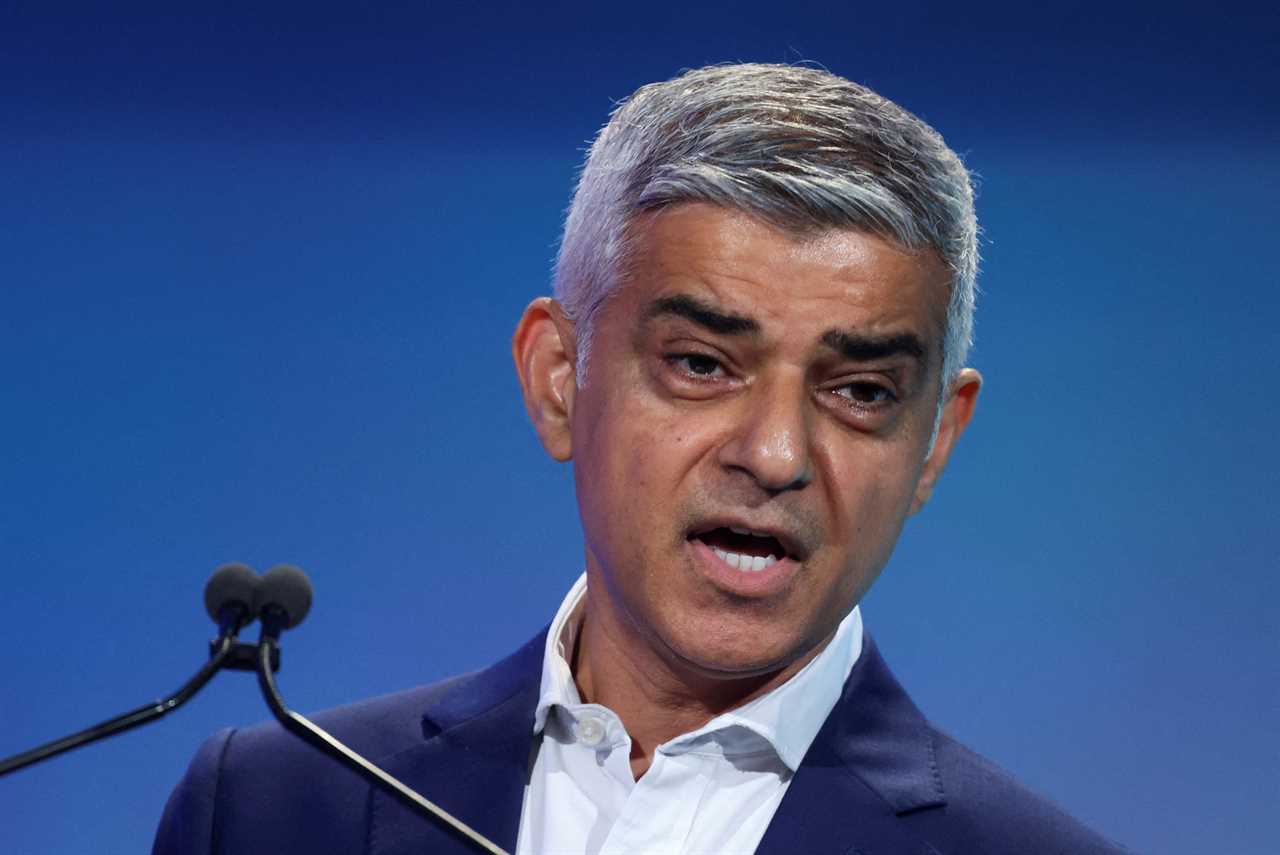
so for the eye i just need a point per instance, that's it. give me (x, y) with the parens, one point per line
(865, 393)
(696, 364)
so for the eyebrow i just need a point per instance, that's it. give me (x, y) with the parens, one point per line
(864, 348)
(852, 346)
(689, 308)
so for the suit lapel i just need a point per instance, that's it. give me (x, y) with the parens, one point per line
(871, 762)
(829, 811)
(473, 761)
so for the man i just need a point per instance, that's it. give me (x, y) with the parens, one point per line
(754, 360)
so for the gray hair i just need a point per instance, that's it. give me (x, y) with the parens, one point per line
(800, 148)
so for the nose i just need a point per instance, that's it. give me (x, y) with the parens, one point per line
(770, 439)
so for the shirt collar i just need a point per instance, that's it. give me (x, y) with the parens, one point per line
(788, 717)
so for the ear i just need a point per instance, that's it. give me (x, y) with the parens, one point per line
(956, 413)
(544, 349)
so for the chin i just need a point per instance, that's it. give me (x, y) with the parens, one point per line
(746, 652)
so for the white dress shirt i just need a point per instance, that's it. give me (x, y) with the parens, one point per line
(713, 790)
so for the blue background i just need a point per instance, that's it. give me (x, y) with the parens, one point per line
(258, 273)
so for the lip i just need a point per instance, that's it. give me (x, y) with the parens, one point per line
(754, 584)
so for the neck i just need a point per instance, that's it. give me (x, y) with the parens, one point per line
(656, 696)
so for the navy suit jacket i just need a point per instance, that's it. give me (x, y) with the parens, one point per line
(878, 780)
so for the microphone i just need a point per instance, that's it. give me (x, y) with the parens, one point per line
(284, 598)
(229, 597)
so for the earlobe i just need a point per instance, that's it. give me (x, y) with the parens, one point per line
(956, 414)
(543, 348)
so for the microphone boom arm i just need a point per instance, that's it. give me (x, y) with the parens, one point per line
(223, 649)
(310, 732)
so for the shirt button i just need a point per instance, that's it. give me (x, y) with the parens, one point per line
(590, 730)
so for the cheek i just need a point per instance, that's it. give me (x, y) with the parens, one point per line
(872, 492)
(644, 439)
(619, 465)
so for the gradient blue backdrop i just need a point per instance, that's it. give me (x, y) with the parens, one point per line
(258, 271)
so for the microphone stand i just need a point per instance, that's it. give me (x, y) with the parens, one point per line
(310, 732)
(264, 658)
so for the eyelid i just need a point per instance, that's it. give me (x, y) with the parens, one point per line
(683, 346)
(866, 378)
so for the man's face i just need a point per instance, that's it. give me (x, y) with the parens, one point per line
(752, 432)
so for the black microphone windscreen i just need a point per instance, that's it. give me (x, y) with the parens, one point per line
(230, 583)
(287, 588)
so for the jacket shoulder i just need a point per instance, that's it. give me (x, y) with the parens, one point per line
(944, 793)
(988, 810)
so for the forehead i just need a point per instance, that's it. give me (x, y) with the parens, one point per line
(794, 286)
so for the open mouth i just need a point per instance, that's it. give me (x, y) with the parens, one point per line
(743, 549)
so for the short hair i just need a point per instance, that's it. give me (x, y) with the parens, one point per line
(798, 147)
